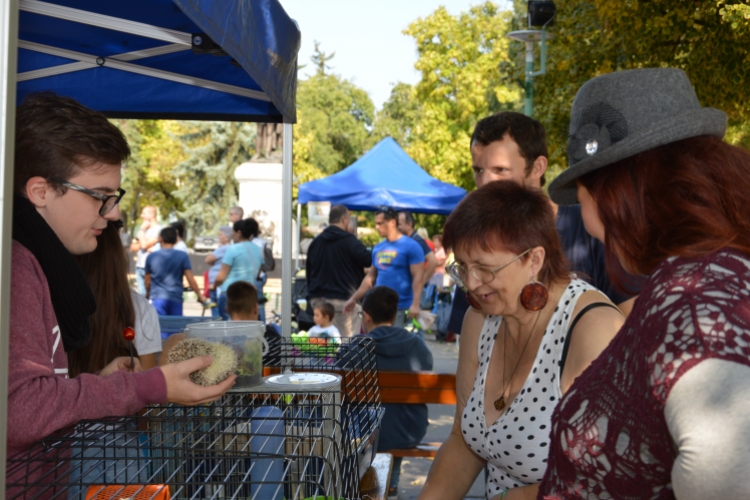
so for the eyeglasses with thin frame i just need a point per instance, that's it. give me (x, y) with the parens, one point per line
(459, 272)
(108, 200)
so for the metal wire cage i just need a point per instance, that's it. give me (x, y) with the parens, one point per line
(286, 439)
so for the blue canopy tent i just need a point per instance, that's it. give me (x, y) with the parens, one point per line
(177, 59)
(384, 176)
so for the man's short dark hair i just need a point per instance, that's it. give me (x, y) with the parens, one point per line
(242, 298)
(336, 213)
(56, 137)
(326, 309)
(168, 235)
(388, 213)
(525, 131)
(381, 303)
(408, 217)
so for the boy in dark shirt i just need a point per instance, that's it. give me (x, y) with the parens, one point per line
(404, 425)
(242, 305)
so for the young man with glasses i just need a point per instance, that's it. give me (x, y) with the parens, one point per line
(66, 189)
(398, 263)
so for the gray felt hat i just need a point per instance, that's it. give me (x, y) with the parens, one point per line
(621, 114)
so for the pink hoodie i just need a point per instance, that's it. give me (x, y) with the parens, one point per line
(41, 397)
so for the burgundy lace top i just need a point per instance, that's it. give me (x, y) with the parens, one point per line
(609, 434)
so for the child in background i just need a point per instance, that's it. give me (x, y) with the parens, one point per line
(323, 313)
(403, 425)
(242, 305)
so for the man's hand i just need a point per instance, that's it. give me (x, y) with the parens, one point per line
(183, 391)
(121, 363)
(349, 306)
(414, 311)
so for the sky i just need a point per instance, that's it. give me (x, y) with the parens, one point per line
(366, 36)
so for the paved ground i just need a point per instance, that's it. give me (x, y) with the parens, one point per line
(413, 470)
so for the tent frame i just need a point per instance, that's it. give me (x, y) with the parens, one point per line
(9, 45)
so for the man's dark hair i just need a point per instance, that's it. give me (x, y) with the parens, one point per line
(408, 217)
(242, 298)
(388, 213)
(381, 303)
(248, 227)
(56, 137)
(336, 213)
(179, 227)
(525, 131)
(326, 309)
(168, 235)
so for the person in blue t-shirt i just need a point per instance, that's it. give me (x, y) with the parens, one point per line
(241, 261)
(164, 271)
(398, 263)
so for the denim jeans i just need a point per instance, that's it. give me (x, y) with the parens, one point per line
(396, 471)
(213, 298)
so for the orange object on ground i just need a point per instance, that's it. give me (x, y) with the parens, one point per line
(132, 492)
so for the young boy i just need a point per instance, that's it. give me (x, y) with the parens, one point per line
(396, 349)
(323, 313)
(164, 271)
(242, 305)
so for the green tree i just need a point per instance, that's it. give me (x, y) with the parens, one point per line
(148, 175)
(205, 181)
(459, 57)
(334, 119)
(709, 39)
(398, 117)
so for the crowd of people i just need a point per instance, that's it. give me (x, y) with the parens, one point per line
(604, 331)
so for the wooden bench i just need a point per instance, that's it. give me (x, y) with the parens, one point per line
(417, 388)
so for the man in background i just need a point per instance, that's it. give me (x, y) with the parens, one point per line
(145, 242)
(336, 262)
(236, 214)
(398, 263)
(406, 226)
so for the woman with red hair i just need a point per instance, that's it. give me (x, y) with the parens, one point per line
(663, 412)
(542, 329)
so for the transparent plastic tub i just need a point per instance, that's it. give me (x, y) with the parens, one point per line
(245, 338)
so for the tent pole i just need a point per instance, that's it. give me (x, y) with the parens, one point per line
(299, 236)
(8, 59)
(286, 234)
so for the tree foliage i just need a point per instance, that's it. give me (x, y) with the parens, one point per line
(205, 180)
(459, 57)
(334, 119)
(709, 39)
(148, 175)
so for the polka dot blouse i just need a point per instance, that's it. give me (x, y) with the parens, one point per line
(517, 444)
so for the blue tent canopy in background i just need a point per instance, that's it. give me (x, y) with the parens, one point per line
(154, 58)
(384, 176)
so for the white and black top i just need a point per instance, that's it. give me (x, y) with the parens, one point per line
(517, 444)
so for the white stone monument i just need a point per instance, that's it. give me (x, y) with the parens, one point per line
(260, 198)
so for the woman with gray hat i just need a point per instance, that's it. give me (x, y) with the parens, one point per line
(663, 412)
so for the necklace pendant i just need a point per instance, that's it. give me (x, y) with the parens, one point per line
(500, 403)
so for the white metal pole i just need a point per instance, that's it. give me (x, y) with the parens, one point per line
(286, 234)
(8, 68)
(299, 236)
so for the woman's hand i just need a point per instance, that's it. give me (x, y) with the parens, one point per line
(121, 363)
(182, 390)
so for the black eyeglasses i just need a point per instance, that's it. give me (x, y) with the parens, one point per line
(108, 200)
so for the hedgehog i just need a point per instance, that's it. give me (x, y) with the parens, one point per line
(224, 359)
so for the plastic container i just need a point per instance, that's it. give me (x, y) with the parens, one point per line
(245, 337)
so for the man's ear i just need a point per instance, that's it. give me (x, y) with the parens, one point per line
(366, 318)
(539, 167)
(256, 312)
(39, 192)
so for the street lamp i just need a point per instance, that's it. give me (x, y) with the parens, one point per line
(539, 14)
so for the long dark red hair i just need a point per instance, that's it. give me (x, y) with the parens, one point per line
(506, 215)
(686, 199)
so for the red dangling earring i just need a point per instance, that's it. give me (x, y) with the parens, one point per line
(472, 301)
(534, 296)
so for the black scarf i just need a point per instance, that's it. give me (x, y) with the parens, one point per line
(71, 295)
